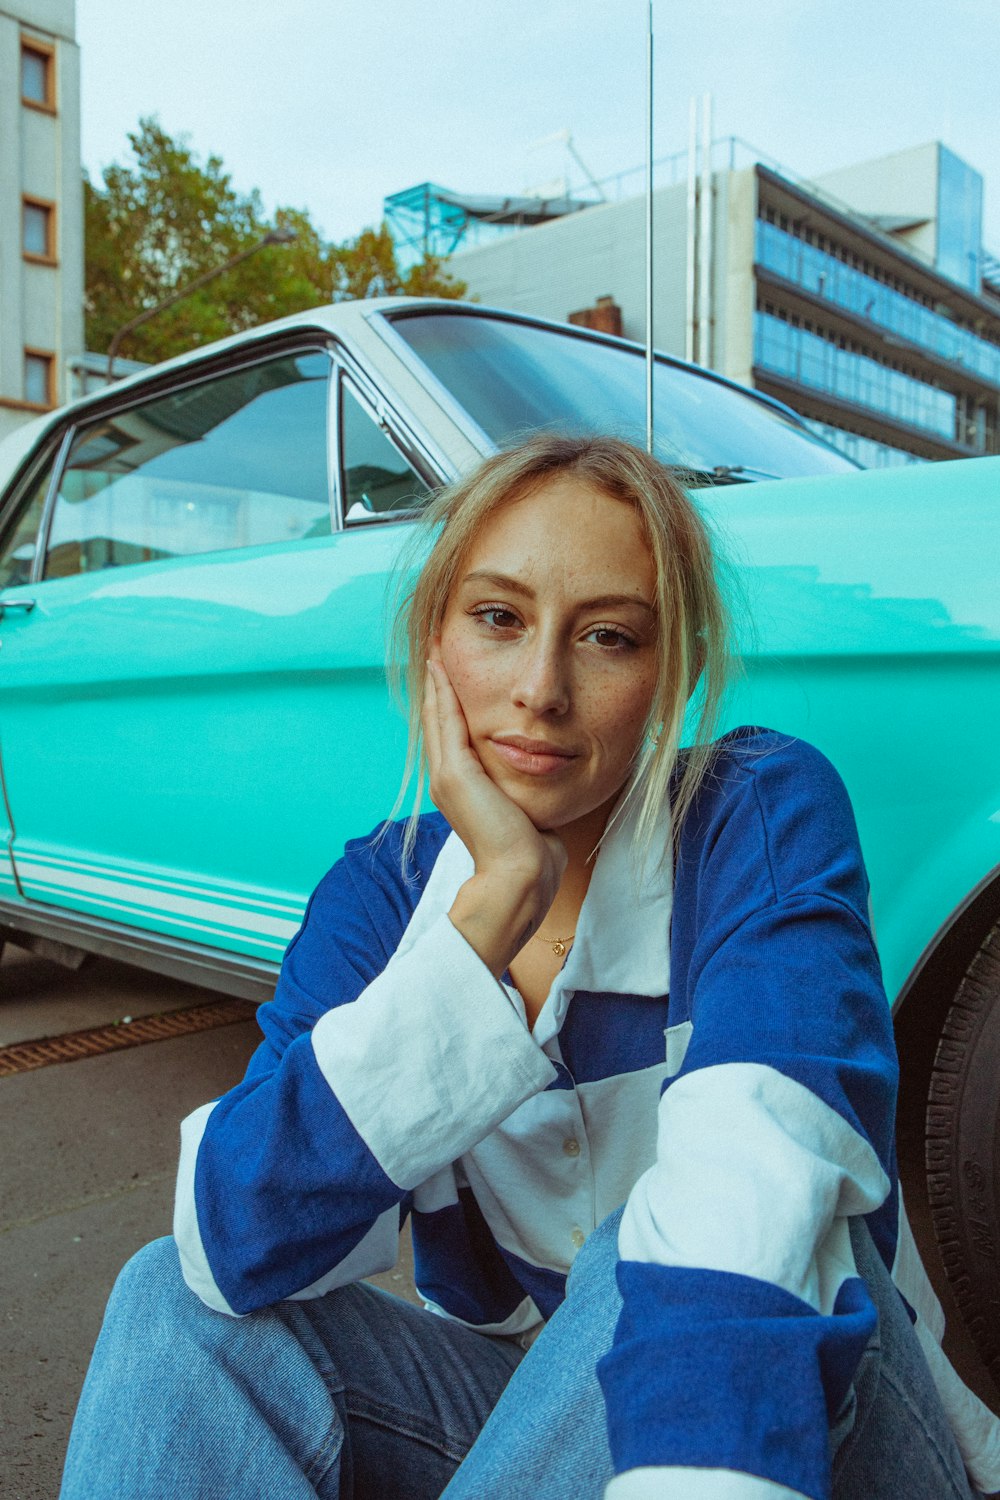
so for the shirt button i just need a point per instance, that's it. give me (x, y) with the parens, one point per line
(571, 1146)
(577, 1236)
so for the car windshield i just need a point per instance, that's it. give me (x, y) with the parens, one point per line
(516, 378)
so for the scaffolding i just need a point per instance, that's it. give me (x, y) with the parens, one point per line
(432, 220)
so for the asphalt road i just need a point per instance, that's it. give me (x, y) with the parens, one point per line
(90, 1149)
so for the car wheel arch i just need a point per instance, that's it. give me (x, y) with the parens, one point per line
(923, 1018)
(922, 1005)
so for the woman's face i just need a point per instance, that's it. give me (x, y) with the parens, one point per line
(549, 639)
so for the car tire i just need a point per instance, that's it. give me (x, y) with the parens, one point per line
(963, 1149)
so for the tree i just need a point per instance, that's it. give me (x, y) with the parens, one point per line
(155, 225)
(367, 267)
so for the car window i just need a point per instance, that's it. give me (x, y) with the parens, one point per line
(20, 538)
(517, 378)
(377, 478)
(237, 461)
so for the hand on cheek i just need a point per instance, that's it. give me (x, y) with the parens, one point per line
(517, 868)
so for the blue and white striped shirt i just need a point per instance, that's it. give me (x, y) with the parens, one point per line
(716, 1053)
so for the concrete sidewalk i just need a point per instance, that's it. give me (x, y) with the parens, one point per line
(90, 1149)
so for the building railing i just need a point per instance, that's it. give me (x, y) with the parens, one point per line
(811, 360)
(845, 286)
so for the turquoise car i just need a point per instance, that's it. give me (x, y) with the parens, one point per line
(193, 711)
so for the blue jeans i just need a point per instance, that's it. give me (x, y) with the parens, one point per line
(360, 1396)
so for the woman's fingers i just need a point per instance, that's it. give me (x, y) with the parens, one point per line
(518, 869)
(445, 730)
(430, 720)
(452, 728)
(457, 779)
(475, 807)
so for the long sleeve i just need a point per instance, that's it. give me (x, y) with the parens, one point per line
(369, 1081)
(743, 1316)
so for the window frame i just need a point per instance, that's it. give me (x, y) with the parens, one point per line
(374, 406)
(50, 257)
(101, 408)
(419, 450)
(387, 320)
(49, 355)
(54, 446)
(47, 52)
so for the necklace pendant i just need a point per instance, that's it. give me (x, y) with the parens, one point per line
(559, 948)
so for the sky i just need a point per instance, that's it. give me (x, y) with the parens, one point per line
(329, 105)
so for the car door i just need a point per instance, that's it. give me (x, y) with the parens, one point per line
(19, 532)
(194, 713)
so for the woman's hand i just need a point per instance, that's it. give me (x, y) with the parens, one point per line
(517, 867)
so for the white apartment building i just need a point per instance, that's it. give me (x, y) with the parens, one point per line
(41, 207)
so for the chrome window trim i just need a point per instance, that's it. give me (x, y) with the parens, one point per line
(423, 454)
(382, 422)
(333, 446)
(567, 330)
(48, 510)
(33, 465)
(151, 386)
(142, 396)
(449, 403)
(417, 448)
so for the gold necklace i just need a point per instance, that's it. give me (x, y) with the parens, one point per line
(558, 945)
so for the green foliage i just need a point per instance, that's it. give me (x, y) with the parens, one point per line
(158, 224)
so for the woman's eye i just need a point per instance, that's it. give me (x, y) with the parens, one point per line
(496, 617)
(610, 638)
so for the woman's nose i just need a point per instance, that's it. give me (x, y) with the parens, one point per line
(541, 684)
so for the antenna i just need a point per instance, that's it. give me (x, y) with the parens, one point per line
(564, 138)
(649, 226)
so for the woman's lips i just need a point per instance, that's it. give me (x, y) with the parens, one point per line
(533, 757)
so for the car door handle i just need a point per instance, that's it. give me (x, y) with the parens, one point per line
(26, 604)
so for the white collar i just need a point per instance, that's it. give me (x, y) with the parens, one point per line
(623, 932)
(622, 941)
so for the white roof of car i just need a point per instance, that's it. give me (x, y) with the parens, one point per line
(348, 320)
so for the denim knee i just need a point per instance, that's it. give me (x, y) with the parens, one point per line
(183, 1400)
(151, 1294)
(152, 1275)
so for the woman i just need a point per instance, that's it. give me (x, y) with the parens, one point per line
(604, 973)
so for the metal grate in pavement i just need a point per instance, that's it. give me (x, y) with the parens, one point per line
(20, 1057)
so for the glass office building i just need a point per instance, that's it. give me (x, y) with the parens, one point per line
(894, 355)
(960, 220)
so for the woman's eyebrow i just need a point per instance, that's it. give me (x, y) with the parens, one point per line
(500, 581)
(508, 585)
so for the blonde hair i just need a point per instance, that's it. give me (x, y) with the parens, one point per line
(693, 635)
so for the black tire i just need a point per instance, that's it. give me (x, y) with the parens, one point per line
(963, 1149)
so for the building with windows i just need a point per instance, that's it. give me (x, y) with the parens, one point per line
(865, 299)
(41, 207)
